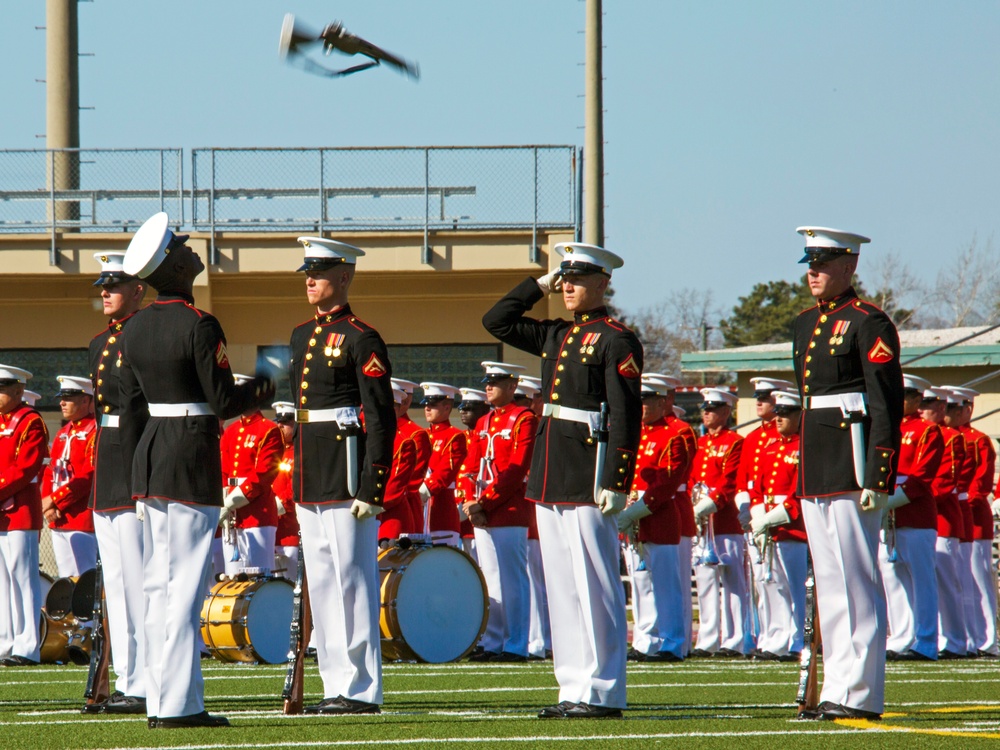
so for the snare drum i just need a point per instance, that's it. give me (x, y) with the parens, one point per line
(248, 621)
(64, 640)
(434, 604)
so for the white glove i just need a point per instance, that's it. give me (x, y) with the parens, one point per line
(897, 499)
(774, 517)
(874, 500)
(362, 510)
(611, 502)
(425, 493)
(224, 513)
(550, 282)
(743, 508)
(280, 506)
(235, 499)
(996, 508)
(140, 511)
(705, 507)
(632, 514)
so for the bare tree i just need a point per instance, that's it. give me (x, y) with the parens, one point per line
(965, 290)
(899, 292)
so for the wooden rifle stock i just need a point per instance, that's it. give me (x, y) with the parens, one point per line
(808, 695)
(301, 628)
(98, 688)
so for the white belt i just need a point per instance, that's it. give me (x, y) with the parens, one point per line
(109, 420)
(344, 416)
(846, 402)
(776, 498)
(590, 418)
(235, 481)
(181, 410)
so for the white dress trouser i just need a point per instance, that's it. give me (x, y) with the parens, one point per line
(586, 602)
(286, 561)
(539, 633)
(722, 596)
(119, 538)
(20, 594)
(177, 546)
(469, 545)
(687, 609)
(75, 552)
(783, 598)
(843, 540)
(503, 558)
(983, 625)
(341, 558)
(254, 547)
(911, 592)
(951, 609)
(657, 599)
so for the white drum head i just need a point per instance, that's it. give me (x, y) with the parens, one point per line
(269, 620)
(440, 604)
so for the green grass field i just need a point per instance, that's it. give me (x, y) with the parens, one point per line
(698, 704)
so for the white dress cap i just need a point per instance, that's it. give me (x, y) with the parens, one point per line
(915, 383)
(718, 396)
(321, 253)
(438, 391)
(823, 243)
(406, 386)
(766, 385)
(398, 395)
(966, 394)
(70, 385)
(935, 394)
(149, 246)
(787, 399)
(283, 410)
(241, 379)
(579, 257)
(14, 373)
(112, 270)
(30, 397)
(952, 396)
(655, 382)
(528, 386)
(471, 394)
(500, 370)
(679, 412)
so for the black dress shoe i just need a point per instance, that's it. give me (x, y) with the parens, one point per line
(634, 655)
(891, 655)
(18, 661)
(663, 656)
(507, 656)
(484, 656)
(557, 711)
(912, 655)
(986, 654)
(942, 655)
(791, 656)
(204, 719)
(759, 655)
(729, 653)
(831, 711)
(700, 653)
(590, 711)
(340, 705)
(151, 722)
(119, 703)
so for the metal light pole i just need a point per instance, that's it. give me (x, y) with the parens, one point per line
(62, 102)
(593, 136)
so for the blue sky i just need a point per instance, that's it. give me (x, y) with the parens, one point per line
(727, 124)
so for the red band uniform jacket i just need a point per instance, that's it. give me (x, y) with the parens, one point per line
(754, 445)
(716, 464)
(661, 470)
(685, 510)
(24, 446)
(775, 483)
(251, 452)
(511, 431)
(398, 517)
(980, 445)
(448, 449)
(69, 477)
(287, 533)
(587, 361)
(422, 444)
(841, 346)
(949, 513)
(110, 486)
(920, 452)
(176, 354)
(339, 361)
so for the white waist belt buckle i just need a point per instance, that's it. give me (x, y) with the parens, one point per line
(590, 418)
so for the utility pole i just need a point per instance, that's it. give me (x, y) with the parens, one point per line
(62, 103)
(593, 136)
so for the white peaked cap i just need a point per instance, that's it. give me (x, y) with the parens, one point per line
(14, 373)
(112, 270)
(71, 384)
(439, 390)
(787, 398)
(500, 369)
(914, 382)
(679, 412)
(579, 257)
(321, 252)
(833, 239)
(940, 394)
(655, 382)
(283, 408)
(718, 396)
(406, 386)
(528, 385)
(30, 397)
(398, 395)
(771, 384)
(471, 394)
(149, 247)
(966, 394)
(241, 379)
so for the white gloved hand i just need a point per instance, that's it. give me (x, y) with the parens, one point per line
(874, 500)
(235, 499)
(224, 513)
(611, 502)
(897, 499)
(632, 515)
(362, 510)
(425, 492)
(280, 506)
(705, 507)
(140, 511)
(743, 508)
(550, 282)
(996, 508)
(774, 517)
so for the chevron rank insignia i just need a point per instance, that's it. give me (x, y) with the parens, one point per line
(627, 368)
(373, 367)
(222, 356)
(880, 353)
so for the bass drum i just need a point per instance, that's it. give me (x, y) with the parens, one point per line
(434, 604)
(248, 621)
